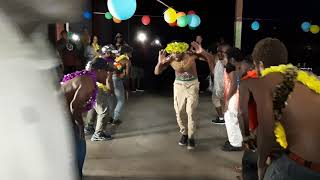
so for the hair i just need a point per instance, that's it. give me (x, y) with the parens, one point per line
(234, 53)
(91, 39)
(271, 52)
(99, 64)
(248, 59)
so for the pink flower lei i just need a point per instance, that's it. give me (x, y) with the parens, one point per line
(92, 101)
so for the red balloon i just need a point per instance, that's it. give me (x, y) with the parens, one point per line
(192, 12)
(145, 20)
(173, 24)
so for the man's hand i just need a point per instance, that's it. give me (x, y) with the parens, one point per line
(163, 59)
(197, 48)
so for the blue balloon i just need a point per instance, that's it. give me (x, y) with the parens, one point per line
(194, 20)
(122, 9)
(87, 15)
(255, 26)
(305, 26)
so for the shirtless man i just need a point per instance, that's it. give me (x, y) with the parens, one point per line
(80, 92)
(299, 118)
(186, 85)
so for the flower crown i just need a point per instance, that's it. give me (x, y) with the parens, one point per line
(177, 47)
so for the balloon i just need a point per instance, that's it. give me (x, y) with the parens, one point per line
(194, 20)
(170, 15)
(121, 9)
(191, 12)
(179, 14)
(182, 21)
(145, 20)
(108, 15)
(87, 15)
(255, 26)
(116, 20)
(173, 24)
(314, 29)
(305, 26)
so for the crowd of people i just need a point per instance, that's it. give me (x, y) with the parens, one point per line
(255, 96)
(264, 102)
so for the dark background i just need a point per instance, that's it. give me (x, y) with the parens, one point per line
(278, 18)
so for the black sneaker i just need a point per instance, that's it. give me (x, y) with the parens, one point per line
(89, 130)
(101, 136)
(116, 122)
(184, 140)
(228, 147)
(218, 121)
(191, 144)
(110, 121)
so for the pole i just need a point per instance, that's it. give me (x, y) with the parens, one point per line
(238, 24)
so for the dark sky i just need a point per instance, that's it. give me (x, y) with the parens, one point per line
(278, 18)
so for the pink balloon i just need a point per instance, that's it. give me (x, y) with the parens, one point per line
(192, 12)
(145, 20)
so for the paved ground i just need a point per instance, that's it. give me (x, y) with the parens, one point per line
(145, 146)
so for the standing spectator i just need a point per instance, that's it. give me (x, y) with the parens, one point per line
(68, 53)
(92, 50)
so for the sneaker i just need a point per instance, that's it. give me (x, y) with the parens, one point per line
(184, 140)
(100, 136)
(116, 122)
(191, 144)
(228, 147)
(218, 121)
(89, 130)
(110, 121)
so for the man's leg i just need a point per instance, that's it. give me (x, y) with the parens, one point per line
(217, 104)
(89, 118)
(119, 92)
(232, 126)
(192, 104)
(180, 108)
(102, 111)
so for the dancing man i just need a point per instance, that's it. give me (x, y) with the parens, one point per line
(186, 85)
(287, 102)
(80, 91)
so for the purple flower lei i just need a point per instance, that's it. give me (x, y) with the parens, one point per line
(92, 101)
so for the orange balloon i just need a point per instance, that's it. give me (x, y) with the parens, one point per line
(173, 24)
(179, 14)
(116, 20)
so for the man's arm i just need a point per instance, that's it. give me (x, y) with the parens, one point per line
(163, 63)
(199, 51)
(243, 102)
(77, 108)
(233, 86)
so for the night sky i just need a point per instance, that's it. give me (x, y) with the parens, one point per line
(278, 18)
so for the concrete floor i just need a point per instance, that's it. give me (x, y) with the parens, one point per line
(145, 146)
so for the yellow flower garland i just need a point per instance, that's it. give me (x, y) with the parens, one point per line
(103, 87)
(309, 80)
(122, 57)
(177, 47)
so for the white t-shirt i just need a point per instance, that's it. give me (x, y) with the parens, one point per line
(35, 134)
(218, 84)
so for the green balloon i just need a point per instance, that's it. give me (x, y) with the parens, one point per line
(108, 15)
(182, 21)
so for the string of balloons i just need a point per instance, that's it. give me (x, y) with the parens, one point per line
(119, 11)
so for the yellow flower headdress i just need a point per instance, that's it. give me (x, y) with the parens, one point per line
(177, 47)
(309, 80)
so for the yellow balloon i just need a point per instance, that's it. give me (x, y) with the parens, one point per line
(170, 15)
(314, 29)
